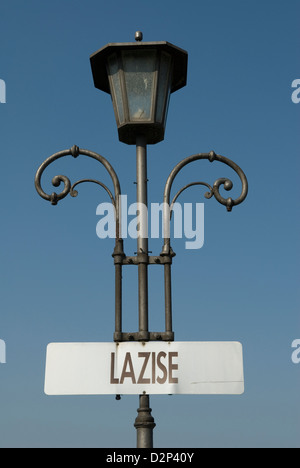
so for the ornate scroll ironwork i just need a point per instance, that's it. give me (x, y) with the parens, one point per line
(54, 198)
(213, 190)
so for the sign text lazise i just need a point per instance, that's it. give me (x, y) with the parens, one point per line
(161, 366)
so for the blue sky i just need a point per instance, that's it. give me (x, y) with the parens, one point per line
(57, 275)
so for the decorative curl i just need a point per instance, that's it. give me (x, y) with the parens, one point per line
(54, 198)
(207, 195)
(228, 185)
(74, 193)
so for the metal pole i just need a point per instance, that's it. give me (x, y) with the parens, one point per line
(144, 423)
(142, 241)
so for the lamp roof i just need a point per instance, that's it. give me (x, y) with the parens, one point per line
(99, 60)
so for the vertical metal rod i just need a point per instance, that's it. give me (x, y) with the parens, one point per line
(118, 260)
(118, 302)
(168, 298)
(144, 423)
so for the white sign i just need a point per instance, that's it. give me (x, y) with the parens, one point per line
(153, 368)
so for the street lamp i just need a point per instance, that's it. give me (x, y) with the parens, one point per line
(140, 77)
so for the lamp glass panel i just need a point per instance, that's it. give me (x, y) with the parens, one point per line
(113, 71)
(139, 72)
(164, 87)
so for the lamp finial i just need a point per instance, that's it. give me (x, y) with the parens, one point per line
(139, 36)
